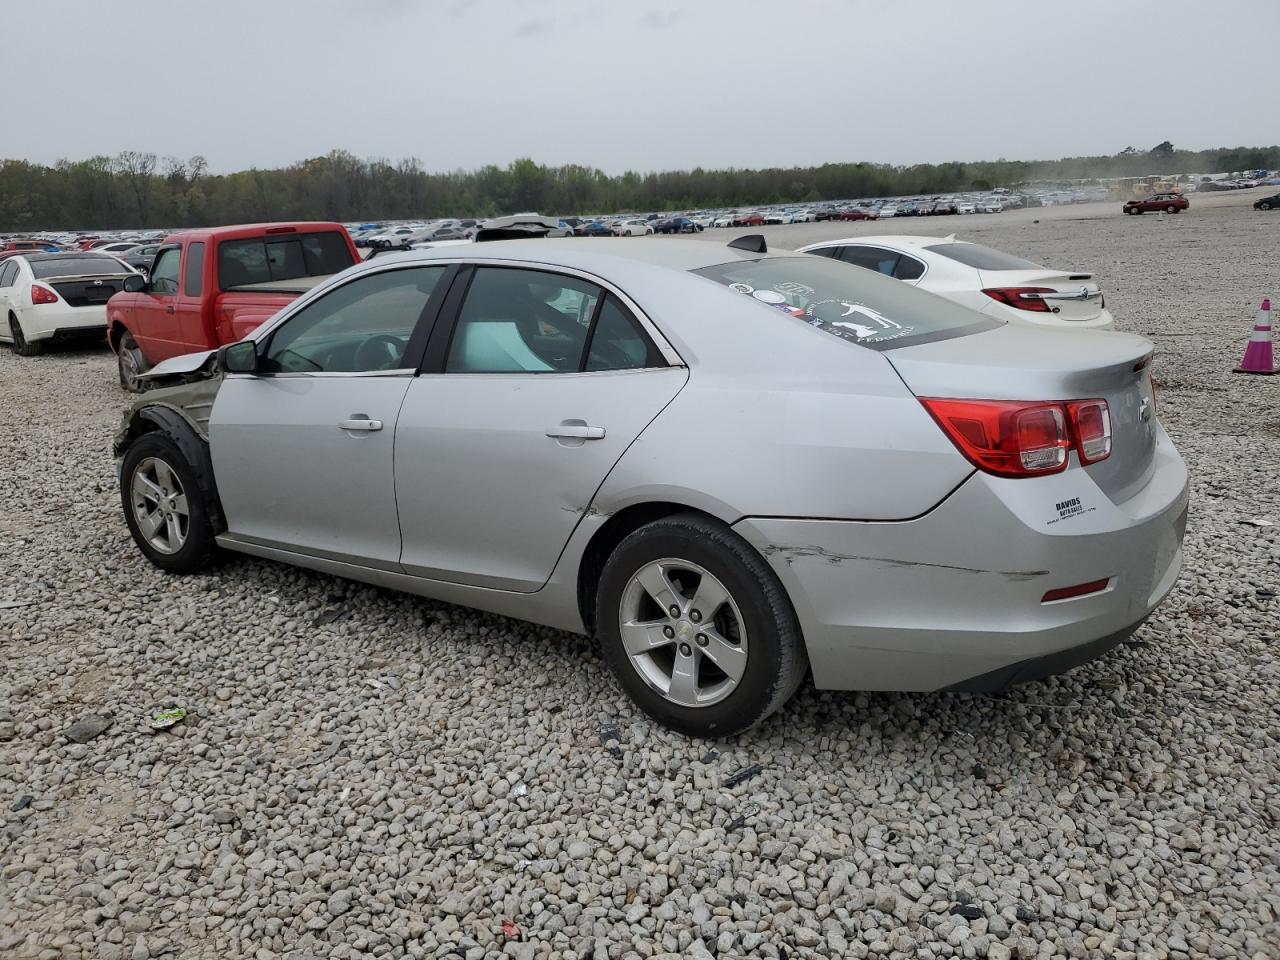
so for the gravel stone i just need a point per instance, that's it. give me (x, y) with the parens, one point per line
(349, 787)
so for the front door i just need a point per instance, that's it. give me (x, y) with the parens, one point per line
(544, 383)
(302, 449)
(157, 330)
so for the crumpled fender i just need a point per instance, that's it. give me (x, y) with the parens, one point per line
(179, 427)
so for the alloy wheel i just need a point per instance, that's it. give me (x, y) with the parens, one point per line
(683, 632)
(160, 506)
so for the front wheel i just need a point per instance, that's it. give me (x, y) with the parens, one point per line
(697, 628)
(1171, 209)
(130, 365)
(1264, 206)
(21, 346)
(163, 505)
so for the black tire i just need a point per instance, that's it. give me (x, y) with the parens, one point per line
(20, 345)
(1171, 209)
(776, 662)
(198, 548)
(1264, 205)
(129, 364)
(1137, 211)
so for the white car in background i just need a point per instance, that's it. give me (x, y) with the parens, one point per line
(396, 236)
(724, 220)
(888, 210)
(47, 296)
(632, 228)
(989, 281)
(966, 206)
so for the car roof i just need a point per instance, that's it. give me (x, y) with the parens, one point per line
(597, 255)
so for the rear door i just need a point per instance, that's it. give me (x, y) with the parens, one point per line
(156, 329)
(527, 400)
(302, 449)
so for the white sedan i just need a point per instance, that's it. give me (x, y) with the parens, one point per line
(56, 296)
(989, 281)
(632, 228)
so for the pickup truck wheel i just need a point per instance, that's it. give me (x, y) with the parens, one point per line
(130, 365)
(163, 506)
(20, 345)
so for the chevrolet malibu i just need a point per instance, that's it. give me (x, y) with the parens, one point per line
(734, 467)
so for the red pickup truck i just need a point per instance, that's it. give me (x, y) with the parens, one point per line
(211, 287)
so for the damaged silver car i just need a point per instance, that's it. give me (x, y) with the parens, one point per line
(733, 466)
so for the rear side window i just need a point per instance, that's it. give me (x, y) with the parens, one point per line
(618, 343)
(860, 306)
(873, 258)
(981, 258)
(263, 259)
(193, 277)
(7, 273)
(908, 268)
(825, 252)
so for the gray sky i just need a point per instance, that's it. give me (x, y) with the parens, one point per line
(635, 84)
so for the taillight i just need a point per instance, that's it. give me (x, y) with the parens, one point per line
(1015, 438)
(1022, 298)
(1091, 424)
(41, 294)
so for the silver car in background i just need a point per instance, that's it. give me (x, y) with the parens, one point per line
(732, 466)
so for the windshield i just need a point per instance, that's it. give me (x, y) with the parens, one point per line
(849, 302)
(260, 260)
(981, 258)
(77, 267)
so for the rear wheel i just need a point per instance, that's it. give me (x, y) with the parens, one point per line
(163, 505)
(21, 346)
(1171, 209)
(130, 365)
(697, 628)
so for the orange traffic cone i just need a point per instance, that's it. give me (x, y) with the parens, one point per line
(1257, 355)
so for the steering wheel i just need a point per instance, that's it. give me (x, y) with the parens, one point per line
(382, 351)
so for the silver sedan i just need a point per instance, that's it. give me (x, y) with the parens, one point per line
(734, 467)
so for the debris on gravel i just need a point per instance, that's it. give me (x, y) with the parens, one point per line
(346, 783)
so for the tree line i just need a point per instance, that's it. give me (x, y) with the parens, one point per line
(136, 189)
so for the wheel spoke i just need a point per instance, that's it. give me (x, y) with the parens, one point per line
(149, 523)
(164, 476)
(658, 585)
(684, 681)
(639, 638)
(709, 597)
(144, 488)
(729, 657)
(173, 532)
(180, 504)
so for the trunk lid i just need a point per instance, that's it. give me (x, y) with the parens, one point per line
(1028, 363)
(1077, 295)
(85, 291)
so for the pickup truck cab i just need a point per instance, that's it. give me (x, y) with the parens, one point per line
(211, 287)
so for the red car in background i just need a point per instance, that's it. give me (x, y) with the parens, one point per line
(749, 220)
(12, 247)
(857, 213)
(213, 286)
(1168, 202)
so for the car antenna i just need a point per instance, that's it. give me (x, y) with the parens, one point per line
(752, 242)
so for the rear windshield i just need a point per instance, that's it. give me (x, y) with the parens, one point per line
(981, 258)
(849, 302)
(262, 259)
(77, 267)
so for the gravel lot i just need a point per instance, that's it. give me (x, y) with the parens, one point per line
(367, 774)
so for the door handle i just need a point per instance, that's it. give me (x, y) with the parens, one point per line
(575, 430)
(169, 309)
(361, 423)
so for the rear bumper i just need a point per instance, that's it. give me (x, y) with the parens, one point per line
(955, 596)
(57, 320)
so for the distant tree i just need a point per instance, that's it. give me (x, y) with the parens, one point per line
(1162, 152)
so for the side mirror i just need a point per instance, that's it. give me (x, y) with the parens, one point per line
(239, 357)
(134, 283)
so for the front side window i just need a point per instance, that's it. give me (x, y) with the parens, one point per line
(859, 306)
(522, 321)
(164, 272)
(361, 327)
